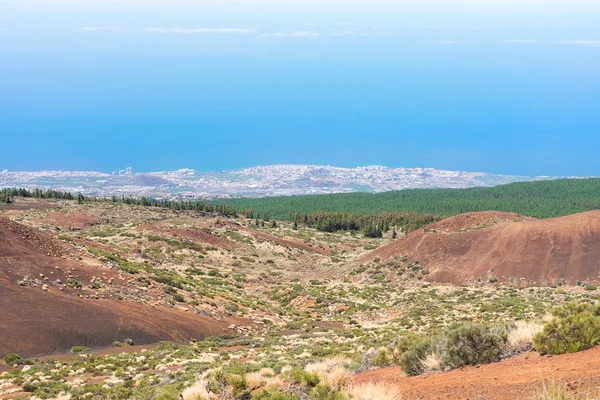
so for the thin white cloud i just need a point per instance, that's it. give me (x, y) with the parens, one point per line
(523, 41)
(343, 33)
(306, 34)
(99, 29)
(199, 30)
(449, 42)
(590, 43)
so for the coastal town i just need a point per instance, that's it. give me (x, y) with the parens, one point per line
(275, 180)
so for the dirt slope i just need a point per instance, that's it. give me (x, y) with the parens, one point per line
(39, 314)
(287, 242)
(504, 246)
(516, 378)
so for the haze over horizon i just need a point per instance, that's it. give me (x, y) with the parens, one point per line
(498, 87)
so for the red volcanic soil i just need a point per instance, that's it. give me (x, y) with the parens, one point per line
(516, 378)
(504, 246)
(195, 235)
(76, 220)
(27, 204)
(40, 318)
(288, 242)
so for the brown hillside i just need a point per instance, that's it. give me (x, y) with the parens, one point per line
(504, 246)
(42, 315)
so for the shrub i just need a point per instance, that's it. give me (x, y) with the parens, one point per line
(472, 344)
(300, 376)
(392, 354)
(300, 382)
(321, 392)
(29, 387)
(274, 394)
(239, 386)
(79, 349)
(12, 359)
(382, 359)
(125, 343)
(45, 390)
(457, 346)
(412, 359)
(164, 392)
(569, 334)
(178, 298)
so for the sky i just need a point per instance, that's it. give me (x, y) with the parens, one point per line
(508, 86)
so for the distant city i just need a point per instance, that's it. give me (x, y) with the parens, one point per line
(275, 180)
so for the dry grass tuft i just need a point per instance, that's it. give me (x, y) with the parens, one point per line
(198, 391)
(374, 391)
(556, 391)
(432, 362)
(264, 377)
(520, 338)
(332, 371)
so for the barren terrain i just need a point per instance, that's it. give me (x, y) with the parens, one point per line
(505, 247)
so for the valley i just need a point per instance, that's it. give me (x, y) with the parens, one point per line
(116, 300)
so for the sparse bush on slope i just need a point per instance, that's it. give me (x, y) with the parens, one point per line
(472, 344)
(324, 392)
(12, 358)
(162, 392)
(392, 354)
(459, 345)
(576, 327)
(412, 361)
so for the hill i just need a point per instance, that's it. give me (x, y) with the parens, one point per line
(541, 199)
(504, 247)
(50, 301)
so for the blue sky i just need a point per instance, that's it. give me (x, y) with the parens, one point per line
(495, 86)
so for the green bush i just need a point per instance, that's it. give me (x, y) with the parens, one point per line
(321, 392)
(79, 349)
(274, 394)
(164, 392)
(239, 386)
(12, 359)
(570, 309)
(472, 344)
(45, 390)
(392, 354)
(459, 345)
(574, 331)
(411, 360)
(301, 377)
